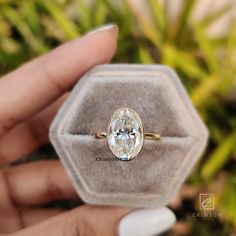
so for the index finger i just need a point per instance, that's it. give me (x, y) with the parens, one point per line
(35, 85)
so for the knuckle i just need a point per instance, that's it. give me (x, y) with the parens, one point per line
(54, 191)
(79, 225)
(84, 228)
(3, 159)
(8, 123)
(51, 76)
(38, 133)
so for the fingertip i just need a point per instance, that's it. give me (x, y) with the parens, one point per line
(145, 222)
(110, 28)
(105, 40)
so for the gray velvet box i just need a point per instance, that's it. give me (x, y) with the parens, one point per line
(154, 176)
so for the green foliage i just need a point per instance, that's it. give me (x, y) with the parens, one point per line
(205, 63)
(226, 200)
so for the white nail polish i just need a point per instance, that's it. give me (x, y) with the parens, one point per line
(146, 222)
(104, 28)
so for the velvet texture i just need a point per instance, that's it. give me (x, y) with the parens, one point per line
(154, 176)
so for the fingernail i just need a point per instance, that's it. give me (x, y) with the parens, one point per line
(109, 27)
(146, 222)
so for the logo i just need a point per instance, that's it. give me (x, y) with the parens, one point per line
(206, 201)
(207, 207)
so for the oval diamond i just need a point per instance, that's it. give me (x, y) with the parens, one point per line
(125, 134)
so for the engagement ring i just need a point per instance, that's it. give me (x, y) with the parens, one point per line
(125, 134)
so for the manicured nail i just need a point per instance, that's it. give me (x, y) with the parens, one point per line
(108, 27)
(146, 222)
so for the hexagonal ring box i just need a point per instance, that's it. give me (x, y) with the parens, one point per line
(154, 176)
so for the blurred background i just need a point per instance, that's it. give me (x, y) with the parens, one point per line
(196, 37)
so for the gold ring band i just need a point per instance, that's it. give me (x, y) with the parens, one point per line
(149, 136)
(101, 135)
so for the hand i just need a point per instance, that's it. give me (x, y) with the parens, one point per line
(29, 99)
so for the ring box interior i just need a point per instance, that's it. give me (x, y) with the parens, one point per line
(153, 177)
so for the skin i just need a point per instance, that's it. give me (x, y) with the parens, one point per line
(30, 98)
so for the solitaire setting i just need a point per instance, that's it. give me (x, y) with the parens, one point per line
(125, 134)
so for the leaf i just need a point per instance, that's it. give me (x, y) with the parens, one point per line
(15, 19)
(144, 55)
(204, 90)
(11, 61)
(113, 9)
(169, 55)
(84, 14)
(8, 45)
(159, 16)
(188, 64)
(212, 17)
(100, 12)
(183, 61)
(149, 30)
(28, 10)
(7, 1)
(127, 13)
(70, 29)
(219, 156)
(4, 27)
(206, 48)
(225, 200)
(231, 46)
(51, 29)
(183, 19)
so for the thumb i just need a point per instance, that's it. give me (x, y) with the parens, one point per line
(82, 221)
(96, 220)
